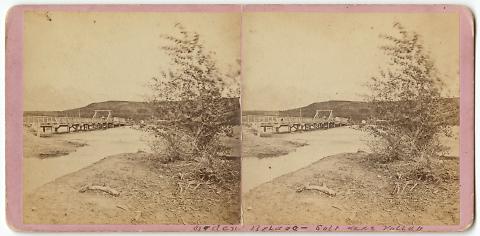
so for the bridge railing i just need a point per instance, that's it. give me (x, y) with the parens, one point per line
(280, 119)
(38, 120)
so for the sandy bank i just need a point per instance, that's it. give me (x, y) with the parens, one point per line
(149, 194)
(364, 195)
(47, 147)
(265, 147)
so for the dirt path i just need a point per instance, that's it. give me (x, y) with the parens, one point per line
(364, 195)
(149, 194)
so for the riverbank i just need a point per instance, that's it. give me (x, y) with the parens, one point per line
(149, 193)
(38, 147)
(256, 169)
(95, 146)
(365, 193)
(139, 189)
(265, 147)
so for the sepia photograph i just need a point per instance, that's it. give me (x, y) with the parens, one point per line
(131, 117)
(246, 118)
(350, 118)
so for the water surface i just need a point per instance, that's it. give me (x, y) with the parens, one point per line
(100, 144)
(321, 143)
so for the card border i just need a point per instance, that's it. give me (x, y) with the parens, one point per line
(14, 111)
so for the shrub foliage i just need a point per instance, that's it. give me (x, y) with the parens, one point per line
(407, 102)
(200, 104)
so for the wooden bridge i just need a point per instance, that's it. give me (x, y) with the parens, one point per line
(47, 125)
(283, 124)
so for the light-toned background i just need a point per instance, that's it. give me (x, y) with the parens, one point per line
(87, 57)
(337, 55)
(6, 4)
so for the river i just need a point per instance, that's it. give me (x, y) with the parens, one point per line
(100, 144)
(255, 171)
(321, 143)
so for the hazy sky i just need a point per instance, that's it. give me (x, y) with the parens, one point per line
(79, 58)
(294, 59)
(289, 59)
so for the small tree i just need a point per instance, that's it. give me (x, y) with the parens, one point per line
(194, 99)
(407, 101)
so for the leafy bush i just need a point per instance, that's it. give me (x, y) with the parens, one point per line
(200, 105)
(407, 102)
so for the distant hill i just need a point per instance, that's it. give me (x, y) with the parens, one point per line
(354, 110)
(130, 109)
(126, 109)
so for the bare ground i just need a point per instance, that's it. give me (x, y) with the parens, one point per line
(366, 193)
(149, 194)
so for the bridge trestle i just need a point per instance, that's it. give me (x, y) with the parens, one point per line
(280, 124)
(49, 125)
